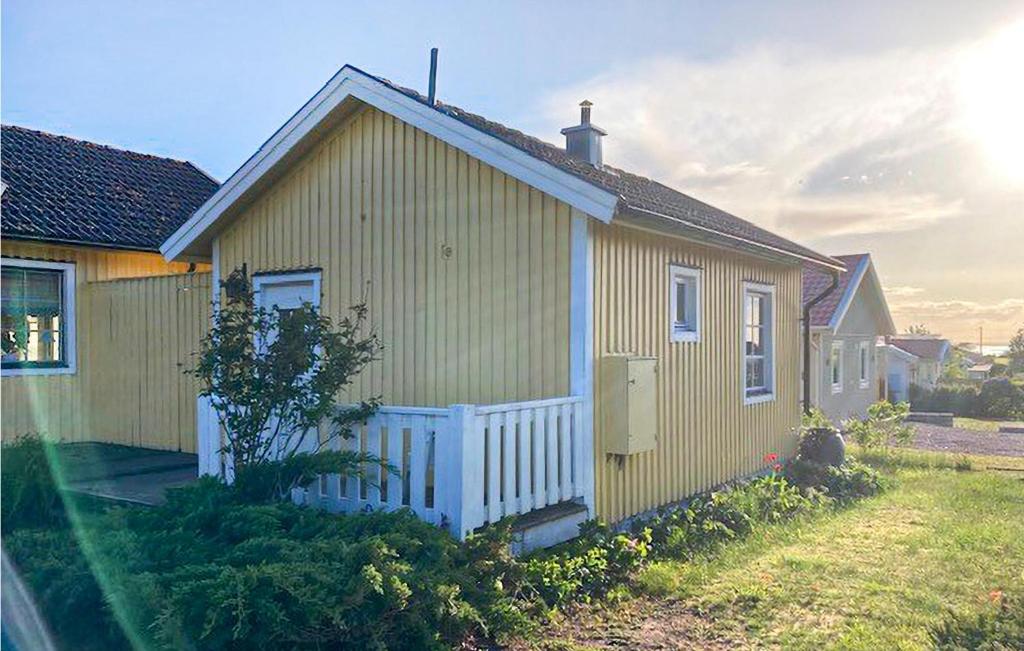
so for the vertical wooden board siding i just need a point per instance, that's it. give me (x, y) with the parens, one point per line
(706, 435)
(65, 407)
(465, 270)
(137, 392)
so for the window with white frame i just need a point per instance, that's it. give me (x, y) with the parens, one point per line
(684, 303)
(865, 364)
(758, 342)
(37, 317)
(835, 366)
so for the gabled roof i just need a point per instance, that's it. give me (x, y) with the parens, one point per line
(924, 346)
(829, 312)
(60, 189)
(601, 192)
(899, 352)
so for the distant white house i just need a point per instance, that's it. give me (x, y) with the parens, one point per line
(846, 374)
(931, 353)
(898, 369)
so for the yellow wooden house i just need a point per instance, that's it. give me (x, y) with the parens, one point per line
(562, 339)
(97, 327)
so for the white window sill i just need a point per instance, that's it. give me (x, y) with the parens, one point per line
(864, 384)
(837, 388)
(758, 398)
(690, 336)
(16, 372)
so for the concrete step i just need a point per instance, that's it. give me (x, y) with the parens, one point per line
(548, 526)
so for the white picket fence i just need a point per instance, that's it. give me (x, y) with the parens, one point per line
(462, 466)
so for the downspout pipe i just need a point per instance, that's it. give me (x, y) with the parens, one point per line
(807, 338)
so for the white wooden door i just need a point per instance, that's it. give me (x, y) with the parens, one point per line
(283, 293)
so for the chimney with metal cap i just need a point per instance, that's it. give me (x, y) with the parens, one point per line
(583, 141)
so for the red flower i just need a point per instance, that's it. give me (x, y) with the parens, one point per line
(770, 458)
(777, 467)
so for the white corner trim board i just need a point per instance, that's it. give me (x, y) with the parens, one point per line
(70, 330)
(351, 82)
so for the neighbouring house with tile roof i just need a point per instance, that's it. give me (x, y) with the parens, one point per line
(562, 339)
(931, 353)
(847, 374)
(96, 325)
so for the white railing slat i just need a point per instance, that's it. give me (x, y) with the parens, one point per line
(540, 491)
(373, 446)
(525, 502)
(494, 467)
(551, 454)
(508, 458)
(565, 450)
(396, 436)
(418, 466)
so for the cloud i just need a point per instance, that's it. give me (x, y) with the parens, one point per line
(1003, 310)
(901, 291)
(809, 145)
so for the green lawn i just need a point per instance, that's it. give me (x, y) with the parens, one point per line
(982, 424)
(874, 576)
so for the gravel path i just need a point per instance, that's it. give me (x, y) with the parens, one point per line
(956, 439)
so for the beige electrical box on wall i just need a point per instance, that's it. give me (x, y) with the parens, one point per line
(629, 403)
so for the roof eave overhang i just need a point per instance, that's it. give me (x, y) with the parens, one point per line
(329, 107)
(661, 222)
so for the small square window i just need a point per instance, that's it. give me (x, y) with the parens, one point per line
(684, 303)
(38, 329)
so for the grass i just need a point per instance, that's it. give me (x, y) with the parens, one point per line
(874, 576)
(981, 424)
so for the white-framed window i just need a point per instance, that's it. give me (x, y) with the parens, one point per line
(835, 366)
(864, 359)
(37, 317)
(684, 303)
(758, 342)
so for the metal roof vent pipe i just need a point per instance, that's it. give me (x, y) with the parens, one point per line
(583, 141)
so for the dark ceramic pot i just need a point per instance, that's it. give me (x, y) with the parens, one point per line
(829, 448)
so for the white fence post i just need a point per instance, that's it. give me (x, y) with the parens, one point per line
(208, 444)
(463, 455)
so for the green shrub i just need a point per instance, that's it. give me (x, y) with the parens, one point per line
(589, 566)
(65, 588)
(999, 398)
(846, 483)
(884, 426)
(999, 627)
(30, 494)
(210, 570)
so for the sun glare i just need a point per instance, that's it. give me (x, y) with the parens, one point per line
(992, 88)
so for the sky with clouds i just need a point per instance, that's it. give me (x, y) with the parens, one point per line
(847, 126)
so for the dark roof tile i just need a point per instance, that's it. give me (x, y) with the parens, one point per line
(69, 190)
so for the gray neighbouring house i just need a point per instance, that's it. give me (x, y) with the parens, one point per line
(930, 354)
(847, 373)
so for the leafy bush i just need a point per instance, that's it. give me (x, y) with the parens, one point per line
(273, 378)
(999, 398)
(846, 483)
(30, 494)
(959, 399)
(587, 567)
(884, 426)
(999, 627)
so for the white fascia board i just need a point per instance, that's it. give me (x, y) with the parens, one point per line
(349, 82)
(851, 291)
